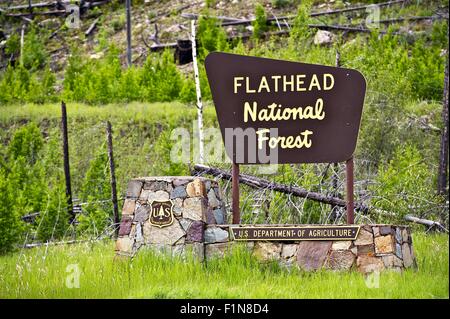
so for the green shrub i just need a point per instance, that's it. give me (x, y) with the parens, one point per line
(401, 184)
(34, 51)
(211, 37)
(26, 142)
(260, 23)
(300, 30)
(10, 224)
(13, 45)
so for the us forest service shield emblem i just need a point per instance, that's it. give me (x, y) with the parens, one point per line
(161, 214)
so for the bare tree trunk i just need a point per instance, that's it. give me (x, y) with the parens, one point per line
(22, 36)
(66, 162)
(443, 158)
(199, 95)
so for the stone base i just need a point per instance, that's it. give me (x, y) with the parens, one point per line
(196, 202)
(377, 248)
(199, 228)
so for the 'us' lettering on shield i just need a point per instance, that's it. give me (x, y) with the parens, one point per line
(161, 213)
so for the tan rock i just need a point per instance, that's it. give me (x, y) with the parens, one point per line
(391, 261)
(124, 244)
(166, 235)
(340, 260)
(218, 250)
(364, 238)
(407, 256)
(367, 264)
(195, 250)
(144, 195)
(128, 207)
(384, 244)
(194, 208)
(196, 188)
(368, 250)
(267, 251)
(341, 245)
(160, 196)
(289, 250)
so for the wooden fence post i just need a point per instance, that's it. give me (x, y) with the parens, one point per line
(113, 176)
(443, 156)
(235, 193)
(66, 162)
(128, 14)
(349, 166)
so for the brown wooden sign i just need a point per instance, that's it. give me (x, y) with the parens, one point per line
(305, 113)
(161, 213)
(293, 233)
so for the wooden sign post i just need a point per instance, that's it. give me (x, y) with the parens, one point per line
(279, 112)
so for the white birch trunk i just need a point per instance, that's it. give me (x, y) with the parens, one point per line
(199, 95)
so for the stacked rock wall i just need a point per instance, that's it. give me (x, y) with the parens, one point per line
(199, 227)
(377, 247)
(196, 202)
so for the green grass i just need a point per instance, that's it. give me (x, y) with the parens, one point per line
(39, 273)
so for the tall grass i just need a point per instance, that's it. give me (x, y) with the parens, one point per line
(42, 273)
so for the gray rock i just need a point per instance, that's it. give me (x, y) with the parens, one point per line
(398, 235)
(177, 207)
(212, 200)
(398, 250)
(178, 192)
(323, 37)
(385, 230)
(134, 189)
(139, 238)
(215, 235)
(407, 256)
(180, 182)
(218, 215)
(142, 214)
(218, 250)
(196, 250)
(185, 223)
(288, 250)
(218, 193)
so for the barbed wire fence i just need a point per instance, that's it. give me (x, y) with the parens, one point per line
(259, 204)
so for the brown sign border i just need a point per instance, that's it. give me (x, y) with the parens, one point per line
(296, 227)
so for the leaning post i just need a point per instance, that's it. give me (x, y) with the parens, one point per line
(235, 193)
